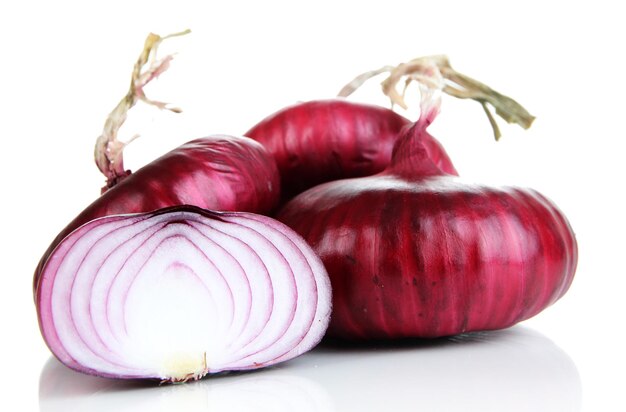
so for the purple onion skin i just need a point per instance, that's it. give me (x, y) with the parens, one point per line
(217, 172)
(324, 140)
(415, 252)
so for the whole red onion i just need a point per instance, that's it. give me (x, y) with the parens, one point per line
(416, 252)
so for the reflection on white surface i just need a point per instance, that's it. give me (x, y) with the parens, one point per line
(516, 369)
(512, 370)
(61, 389)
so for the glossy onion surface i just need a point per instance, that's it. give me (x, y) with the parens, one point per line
(179, 293)
(323, 140)
(217, 172)
(441, 259)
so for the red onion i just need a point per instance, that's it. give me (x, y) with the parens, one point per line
(416, 252)
(324, 140)
(179, 293)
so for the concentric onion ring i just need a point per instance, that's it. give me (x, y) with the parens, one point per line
(181, 292)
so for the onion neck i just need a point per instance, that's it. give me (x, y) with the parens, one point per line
(410, 158)
(108, 151)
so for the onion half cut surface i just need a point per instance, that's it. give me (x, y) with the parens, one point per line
(180, 293)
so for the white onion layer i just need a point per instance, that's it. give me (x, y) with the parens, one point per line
(179, 293)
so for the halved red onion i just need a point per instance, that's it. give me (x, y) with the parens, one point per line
(181, 292)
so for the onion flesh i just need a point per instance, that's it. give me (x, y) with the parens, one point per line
(180, 293)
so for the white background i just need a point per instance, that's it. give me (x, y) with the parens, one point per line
(64, 65)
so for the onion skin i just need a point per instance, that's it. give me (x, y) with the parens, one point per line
(266, 293)
(415, 252)
(218, 172)
(324, 140)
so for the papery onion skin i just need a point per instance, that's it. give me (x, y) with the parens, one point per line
(414, 252)
(306, 327)
(217, 172)
(324, 140)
